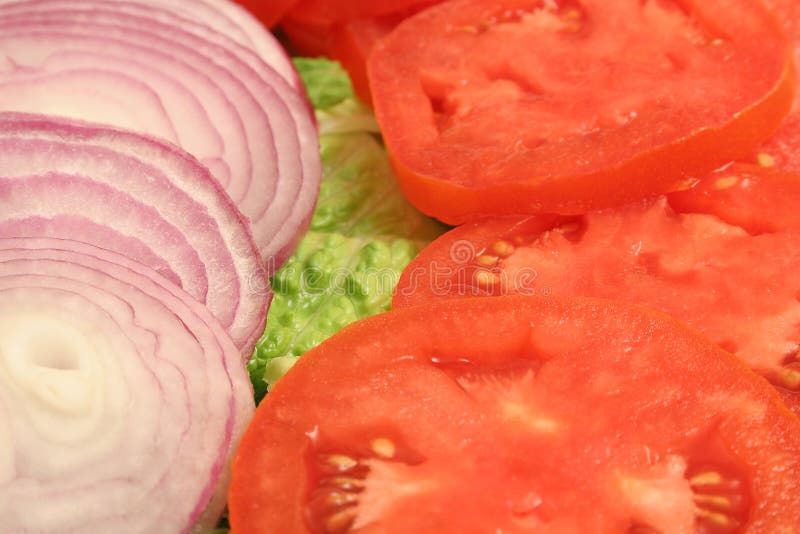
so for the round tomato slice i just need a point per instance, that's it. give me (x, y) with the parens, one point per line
(738, 289)
(518, 415)
(521, 106)
(759, 199)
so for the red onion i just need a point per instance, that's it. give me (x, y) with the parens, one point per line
(140, 198)
(237, 23)
(220, 21)
(121, 397)
(157, 71)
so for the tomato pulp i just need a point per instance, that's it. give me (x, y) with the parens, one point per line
(524, 106)
(783, 150)
(727, 263)
(759, 199)
(518, 415)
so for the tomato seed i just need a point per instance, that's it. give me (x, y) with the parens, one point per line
(503, 249)
(340, 521)
(340, 498)
(707, 478)
(345, 483)
(488, 261)
(789, 378)
(714, 517)
(765, 160)
(486, 279)
(342, 462)
(725, 183)
(717, 501)
(384, 448)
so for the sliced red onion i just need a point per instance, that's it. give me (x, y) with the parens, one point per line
(140, 67)
(219, 21)
(121, 397)
(233, 20)
(137, 197)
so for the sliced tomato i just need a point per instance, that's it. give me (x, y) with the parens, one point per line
(783, 149)
(522, 106)
(740, 290)
(348, 41)
(788, 13)
(307, 39)
(353, 42)
(759, 199)
(328, 13)
(518, 415)
(269, 12)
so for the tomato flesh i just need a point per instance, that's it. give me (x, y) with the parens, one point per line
(758, 199)
(694, 266)
(783, 150)
(612, 101)
(518, 415)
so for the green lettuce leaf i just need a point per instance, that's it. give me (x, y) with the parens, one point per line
(326, 82)
(364, 233)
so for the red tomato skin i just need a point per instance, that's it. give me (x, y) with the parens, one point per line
(352, 44)
(326, 393)
(328, 13)
(650, 172)
(307, 39)
(644, 176)
(269, 12)
(348, 41)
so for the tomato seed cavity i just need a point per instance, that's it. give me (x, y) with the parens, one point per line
(721, 500)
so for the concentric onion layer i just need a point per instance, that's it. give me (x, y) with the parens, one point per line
(175, 70)
(232, 20)
(140, 198)
(121, 397)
